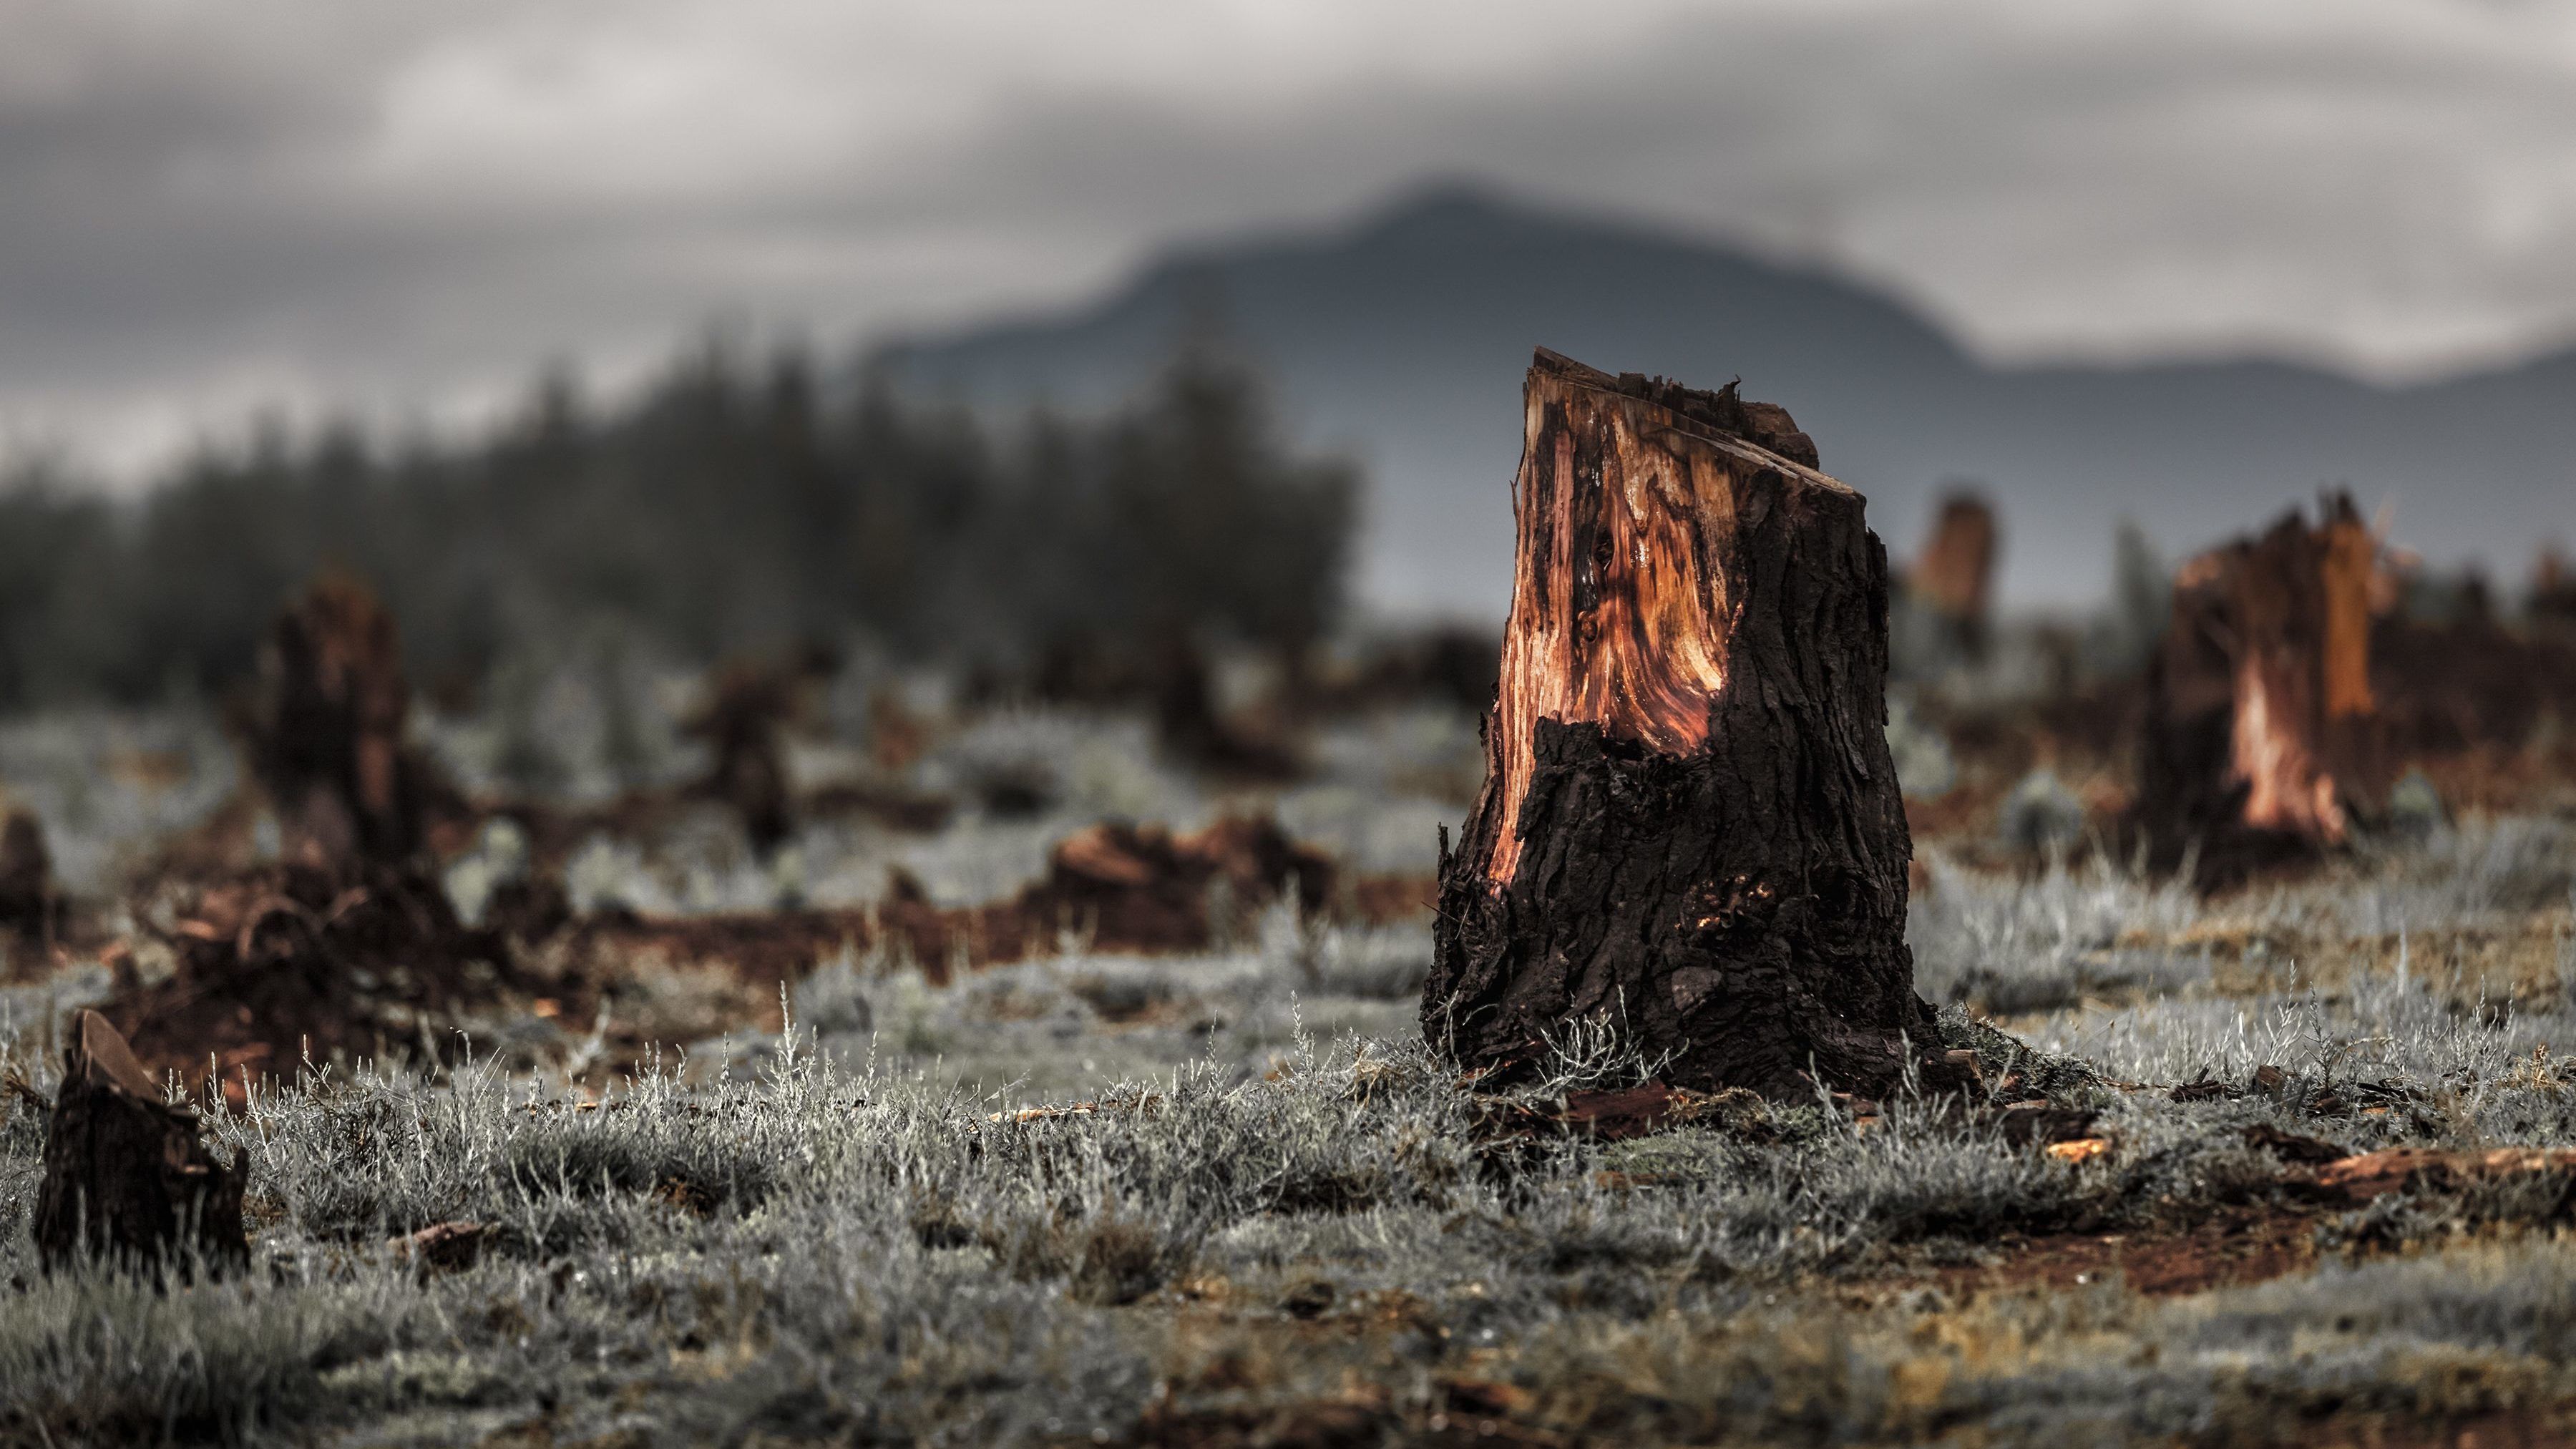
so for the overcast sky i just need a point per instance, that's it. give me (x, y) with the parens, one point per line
(209, 207)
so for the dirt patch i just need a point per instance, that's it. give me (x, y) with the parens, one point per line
(1126, 888)
(2230, 1250)
(288, 962)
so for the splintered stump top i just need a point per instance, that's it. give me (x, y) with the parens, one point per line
(2263, 730)
(1690, 825)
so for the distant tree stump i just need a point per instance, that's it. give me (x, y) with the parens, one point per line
(744, 723)
(1690, 820)
(327, 734)
(26, 874)
(2552, 603)
(1954, 579)
(126, 1176)
(2263, 732)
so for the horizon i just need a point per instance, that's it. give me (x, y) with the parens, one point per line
(403, 218)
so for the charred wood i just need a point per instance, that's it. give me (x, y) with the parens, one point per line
(1690, 827)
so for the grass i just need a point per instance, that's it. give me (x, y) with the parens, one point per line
(1263, 1214)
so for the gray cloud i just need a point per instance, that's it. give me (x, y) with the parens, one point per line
(409, 208)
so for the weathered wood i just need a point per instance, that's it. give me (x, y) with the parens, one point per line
(1690, 822)
(327, 734)
(2262, 732)
(126, 1176)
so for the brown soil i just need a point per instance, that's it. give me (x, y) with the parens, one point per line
(1390, 900)
(2250, 1245)
(281, 963)
(288, 963)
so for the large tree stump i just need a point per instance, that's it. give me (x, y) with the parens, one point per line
(2262, 731)
(126, 1176)
(327, 734)
(1690, 822)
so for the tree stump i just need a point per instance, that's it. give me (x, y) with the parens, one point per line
(26, 874)
(2552, 604)
(2263, 731)
(327, 734)
(1690, 821)
(126, 1176)
(744, 722)
(1955, 577)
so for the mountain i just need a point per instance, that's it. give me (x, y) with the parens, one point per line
(1402, 341)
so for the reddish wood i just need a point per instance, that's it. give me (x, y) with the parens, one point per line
(2263, 732)
(1955, 576)
(1690, 821)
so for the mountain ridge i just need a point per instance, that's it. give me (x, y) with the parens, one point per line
(1402, 338)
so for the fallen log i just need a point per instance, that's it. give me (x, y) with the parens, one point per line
(126, 1175)
(1690, 825)
(2376, 1174)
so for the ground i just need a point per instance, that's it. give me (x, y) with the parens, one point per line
(1227, 1197)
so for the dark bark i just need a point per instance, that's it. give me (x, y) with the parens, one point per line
(327, 737)
(2263, 736)
(1690, 820)
(744, 724)
(126, 1175)
(26, 875)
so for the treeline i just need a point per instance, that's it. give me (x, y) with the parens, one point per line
(737, 506)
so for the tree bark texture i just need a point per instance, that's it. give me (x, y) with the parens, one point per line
(126, 1176)
(2263, 732)
(1690, 822)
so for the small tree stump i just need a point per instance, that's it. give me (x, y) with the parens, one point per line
(327, 734)
(1690, 821)
(2263, 731)
(1954, 579)
(26, 874)
(2552, 604)
(744, 723)
(126, 1176)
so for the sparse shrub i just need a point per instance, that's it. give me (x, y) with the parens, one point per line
(2041, 816)
(832, 999)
